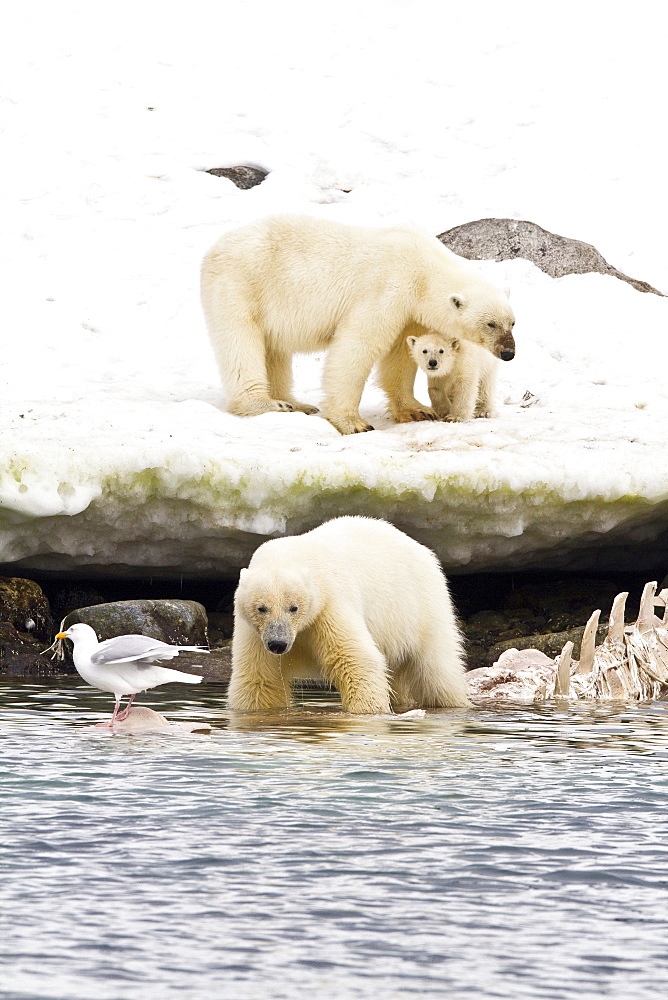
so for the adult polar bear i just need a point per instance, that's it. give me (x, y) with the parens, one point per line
(293, 284)
(355, 602)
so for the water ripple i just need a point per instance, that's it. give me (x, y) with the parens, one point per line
(510, 853)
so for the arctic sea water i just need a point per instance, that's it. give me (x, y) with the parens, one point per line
(500, 852)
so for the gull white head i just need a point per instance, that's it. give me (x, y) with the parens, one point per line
(78, 632)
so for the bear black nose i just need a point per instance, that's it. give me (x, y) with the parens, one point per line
(432, 362)
(277, 646)
(507, 355)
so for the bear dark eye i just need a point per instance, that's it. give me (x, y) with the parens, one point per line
(262, 608)
(425, 351)
(293, 609)
(492, 325)
(440, 350)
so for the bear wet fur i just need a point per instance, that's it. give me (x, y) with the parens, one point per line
(461, 375)
(289, 284)
(354, 602)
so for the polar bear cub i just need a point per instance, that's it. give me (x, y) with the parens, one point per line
(355, 602)
(461, 375)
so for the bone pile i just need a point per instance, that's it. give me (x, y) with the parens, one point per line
(630, 663)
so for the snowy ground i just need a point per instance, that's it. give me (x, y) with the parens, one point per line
(114, 451)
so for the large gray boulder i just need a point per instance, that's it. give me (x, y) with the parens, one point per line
(182, 623)
(505, 239)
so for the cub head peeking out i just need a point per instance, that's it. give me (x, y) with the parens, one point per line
(434, 353)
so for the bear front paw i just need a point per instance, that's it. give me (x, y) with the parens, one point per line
(305, 408)
(405, 416)
(349, 425)
(253, 406)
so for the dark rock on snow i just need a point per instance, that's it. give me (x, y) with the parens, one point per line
(505, 239)
(243, 176)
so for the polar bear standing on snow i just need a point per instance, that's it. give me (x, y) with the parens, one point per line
(461, 375)
(355, 602)
(290, 284)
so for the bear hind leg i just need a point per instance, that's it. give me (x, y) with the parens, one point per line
(241, 355)
(402, 696)
(435, 673)
(279, 372)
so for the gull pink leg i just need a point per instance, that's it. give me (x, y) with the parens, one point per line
(114, 716)
(126, 711)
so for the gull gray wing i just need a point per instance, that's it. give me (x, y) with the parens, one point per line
(126, 648)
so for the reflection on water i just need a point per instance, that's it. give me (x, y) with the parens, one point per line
(510, 852)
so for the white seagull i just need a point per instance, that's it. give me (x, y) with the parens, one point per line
(125, 664)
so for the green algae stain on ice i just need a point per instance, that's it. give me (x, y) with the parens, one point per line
(208, 516)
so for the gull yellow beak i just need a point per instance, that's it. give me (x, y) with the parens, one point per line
(62, 635)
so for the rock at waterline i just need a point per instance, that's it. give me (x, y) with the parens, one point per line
(544, 615)
(215, 668)
(178, 622)
(24, 606)
(20, 654)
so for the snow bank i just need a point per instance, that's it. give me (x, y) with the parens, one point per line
(115, 454)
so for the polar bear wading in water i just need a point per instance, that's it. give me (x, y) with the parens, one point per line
(290, 284)
(461, 376)
(355, 602)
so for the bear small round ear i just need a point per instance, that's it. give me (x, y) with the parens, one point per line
(457, 301)
(455, 344)
(242, 573)
(411, 341)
